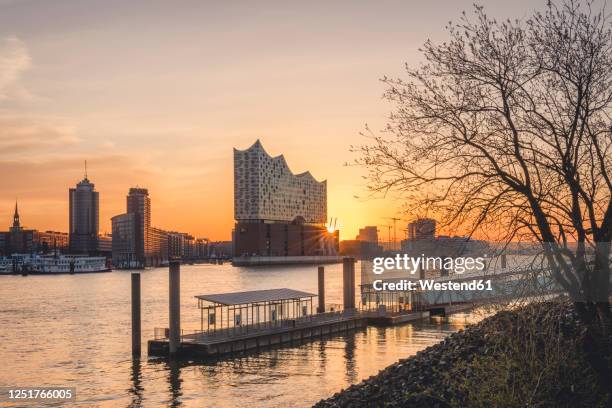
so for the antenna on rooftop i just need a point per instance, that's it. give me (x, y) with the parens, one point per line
(85, 168)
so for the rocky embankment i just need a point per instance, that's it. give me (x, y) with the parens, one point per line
(514, 358)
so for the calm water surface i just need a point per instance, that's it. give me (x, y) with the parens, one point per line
(74, 330)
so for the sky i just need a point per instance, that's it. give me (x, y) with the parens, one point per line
(157, 93)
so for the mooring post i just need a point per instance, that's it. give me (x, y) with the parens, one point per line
(136, 342)
(348, 282)
(321, 308)
(175, 307)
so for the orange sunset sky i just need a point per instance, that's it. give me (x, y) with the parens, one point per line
(157, 93)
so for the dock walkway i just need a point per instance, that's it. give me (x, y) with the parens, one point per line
(253, 337)
(232, 340)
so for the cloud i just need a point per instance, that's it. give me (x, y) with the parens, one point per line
(14, 60)
(108, 144)
(19, 133)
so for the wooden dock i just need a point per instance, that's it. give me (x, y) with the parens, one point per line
(249, 339)
(203, 345)
(392, 319)
(446, 310)
(247, 321)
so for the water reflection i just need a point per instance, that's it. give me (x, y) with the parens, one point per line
(301, 374)
(137, 389)
(349, 359)
(174, 380)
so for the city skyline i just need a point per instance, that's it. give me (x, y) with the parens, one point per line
(103, 86)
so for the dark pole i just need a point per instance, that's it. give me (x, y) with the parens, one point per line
(136, 343)
(175, 306)
(348, 282)
(321, 308)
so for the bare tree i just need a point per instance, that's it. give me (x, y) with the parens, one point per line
(506, 128)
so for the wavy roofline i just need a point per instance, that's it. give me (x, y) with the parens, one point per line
(280, 157)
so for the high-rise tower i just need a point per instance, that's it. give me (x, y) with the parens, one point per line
(84, 217)
(136, 244)
(139, 204)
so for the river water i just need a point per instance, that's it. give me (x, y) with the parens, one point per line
(74, 330)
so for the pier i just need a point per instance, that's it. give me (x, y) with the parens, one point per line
(250, 320)
(254, 320)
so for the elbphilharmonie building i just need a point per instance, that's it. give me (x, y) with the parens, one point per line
(277, 212)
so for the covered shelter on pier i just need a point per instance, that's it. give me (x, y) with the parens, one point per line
(242, 312)
(388, 301)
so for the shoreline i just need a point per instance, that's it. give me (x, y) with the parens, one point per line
(490, 362)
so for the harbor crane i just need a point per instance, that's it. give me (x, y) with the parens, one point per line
(395, 220)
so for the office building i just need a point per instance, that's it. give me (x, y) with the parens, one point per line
(135, 243)
(157, 247)
(364, 246)
(368, 234)
(49, 241)
(124, 241)
(220, 249)
(138, 203)
(105, 245)
(422, 240)
(422, 229)
(83, 218)
(185, 246)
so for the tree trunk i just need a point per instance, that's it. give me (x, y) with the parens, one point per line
(596, 343)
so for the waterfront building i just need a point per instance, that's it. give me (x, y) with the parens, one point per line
(124, 241)
(138, 203)
(278, 213)
(176, 244)
(360, 249)
(20, 240)
(185, 246)
(220, 249)
(135, 243)
(83, 218)
(364, 246)
(105, 245)
(368, 234)
(201, 248)
(157, 248)
(46, 241)
(422, 240)
(422, 229)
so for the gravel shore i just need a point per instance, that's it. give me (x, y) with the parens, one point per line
(438, 376)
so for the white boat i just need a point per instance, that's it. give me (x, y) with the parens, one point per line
(52, 264)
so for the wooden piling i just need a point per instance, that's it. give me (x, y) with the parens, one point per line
(136, 341)
(321, 278)
(348, 282)
(175, 306)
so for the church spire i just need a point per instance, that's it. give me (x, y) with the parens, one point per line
(16, 216)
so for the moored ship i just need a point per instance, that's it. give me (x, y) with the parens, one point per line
(52, 264)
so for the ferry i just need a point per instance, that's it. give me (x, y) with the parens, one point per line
(25, 264)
